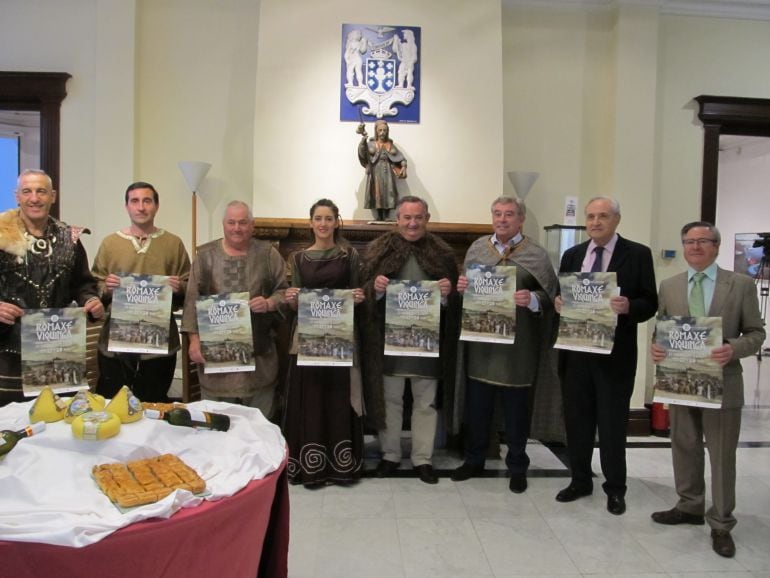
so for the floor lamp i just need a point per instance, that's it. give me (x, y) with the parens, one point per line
(194, 172)
(522, 181)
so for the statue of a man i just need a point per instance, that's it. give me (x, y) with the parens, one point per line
(384, 163)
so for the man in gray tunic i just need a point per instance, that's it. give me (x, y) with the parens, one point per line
(236, 263)
(509, 370)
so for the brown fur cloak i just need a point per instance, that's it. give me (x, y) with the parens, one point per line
(386, 255)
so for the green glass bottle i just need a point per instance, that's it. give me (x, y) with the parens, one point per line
(9, 438)
(191, 418)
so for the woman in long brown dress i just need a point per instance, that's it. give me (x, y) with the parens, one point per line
(323, 424)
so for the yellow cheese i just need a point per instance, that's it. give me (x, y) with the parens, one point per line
(126, 406)
(97, 401)
(96, 425)
(48, 407)
(83, 402)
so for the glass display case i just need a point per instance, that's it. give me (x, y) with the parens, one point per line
(559, 238)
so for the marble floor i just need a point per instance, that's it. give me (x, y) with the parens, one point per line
(399, 527)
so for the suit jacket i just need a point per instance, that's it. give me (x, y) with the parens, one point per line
(636, 278)
(735, 301)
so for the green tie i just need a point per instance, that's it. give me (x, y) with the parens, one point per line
(696, 301)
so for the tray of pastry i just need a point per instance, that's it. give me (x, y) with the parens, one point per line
(146, 481)
(162, 407)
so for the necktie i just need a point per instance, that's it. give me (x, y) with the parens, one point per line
(696, 301)
(597, 265)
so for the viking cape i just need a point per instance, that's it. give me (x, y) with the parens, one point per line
(546, 412)
(386, 256)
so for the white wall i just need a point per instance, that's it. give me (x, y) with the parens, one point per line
(743, 200)
(698, 56)
(301, 149)
(93, 40)
(196, 68)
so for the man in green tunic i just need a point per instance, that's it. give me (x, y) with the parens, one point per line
(507, 369)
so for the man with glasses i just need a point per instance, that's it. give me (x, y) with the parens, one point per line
(708, 290)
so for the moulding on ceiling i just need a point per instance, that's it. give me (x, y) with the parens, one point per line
(740, 9)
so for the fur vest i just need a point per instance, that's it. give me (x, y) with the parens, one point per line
(386, 256)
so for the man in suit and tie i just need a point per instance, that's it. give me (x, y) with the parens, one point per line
(596, 387)
(708, 290)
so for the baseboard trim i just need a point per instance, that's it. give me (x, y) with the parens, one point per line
(639, 422)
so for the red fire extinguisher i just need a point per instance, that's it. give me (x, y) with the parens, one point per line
(659, 419)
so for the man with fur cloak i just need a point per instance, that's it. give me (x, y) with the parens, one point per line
(408, 253)
(42, 264)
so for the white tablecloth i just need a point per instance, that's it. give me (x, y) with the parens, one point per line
(47, 493)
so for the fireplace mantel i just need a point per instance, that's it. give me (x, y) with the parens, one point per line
(289, 235)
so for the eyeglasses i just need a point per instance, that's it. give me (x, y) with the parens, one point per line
(699, 242)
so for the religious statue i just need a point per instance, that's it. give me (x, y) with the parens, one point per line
(384, 163)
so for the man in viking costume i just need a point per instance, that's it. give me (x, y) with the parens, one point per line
(42, 264)
(408, 253)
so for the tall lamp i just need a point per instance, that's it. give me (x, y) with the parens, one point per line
(194, 172)
(522, 182)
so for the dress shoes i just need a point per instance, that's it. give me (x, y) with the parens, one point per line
(518, 483)
(571, 493)
(386, 467)
(722, 542)
(465, 472)
(673, 517)
(616, 504)
(425, 472)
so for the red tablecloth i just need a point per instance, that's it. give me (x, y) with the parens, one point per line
(237, 537)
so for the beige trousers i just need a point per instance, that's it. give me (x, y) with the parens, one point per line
(720, 428)
(424, 419)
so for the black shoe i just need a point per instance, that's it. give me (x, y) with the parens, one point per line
(616, 504)
(518, 483)
(571, 493)
(673, 516)
(426, 474)
(465, 472)
(722, 542)
(386, 467)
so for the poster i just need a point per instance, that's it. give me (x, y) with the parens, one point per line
(325, 327)
(587, 322)
(140, 315)
(224, 328)
(489, 310)
(688, 376)
(412, 318)
(53, 350)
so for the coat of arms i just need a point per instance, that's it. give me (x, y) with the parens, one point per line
(380, 73)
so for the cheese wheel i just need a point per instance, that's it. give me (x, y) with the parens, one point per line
(83, 402)
(96, 425)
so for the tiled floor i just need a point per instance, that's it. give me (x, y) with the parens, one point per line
(400, 527)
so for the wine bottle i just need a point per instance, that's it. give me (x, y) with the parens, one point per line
(191, 418)
(9, 438)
